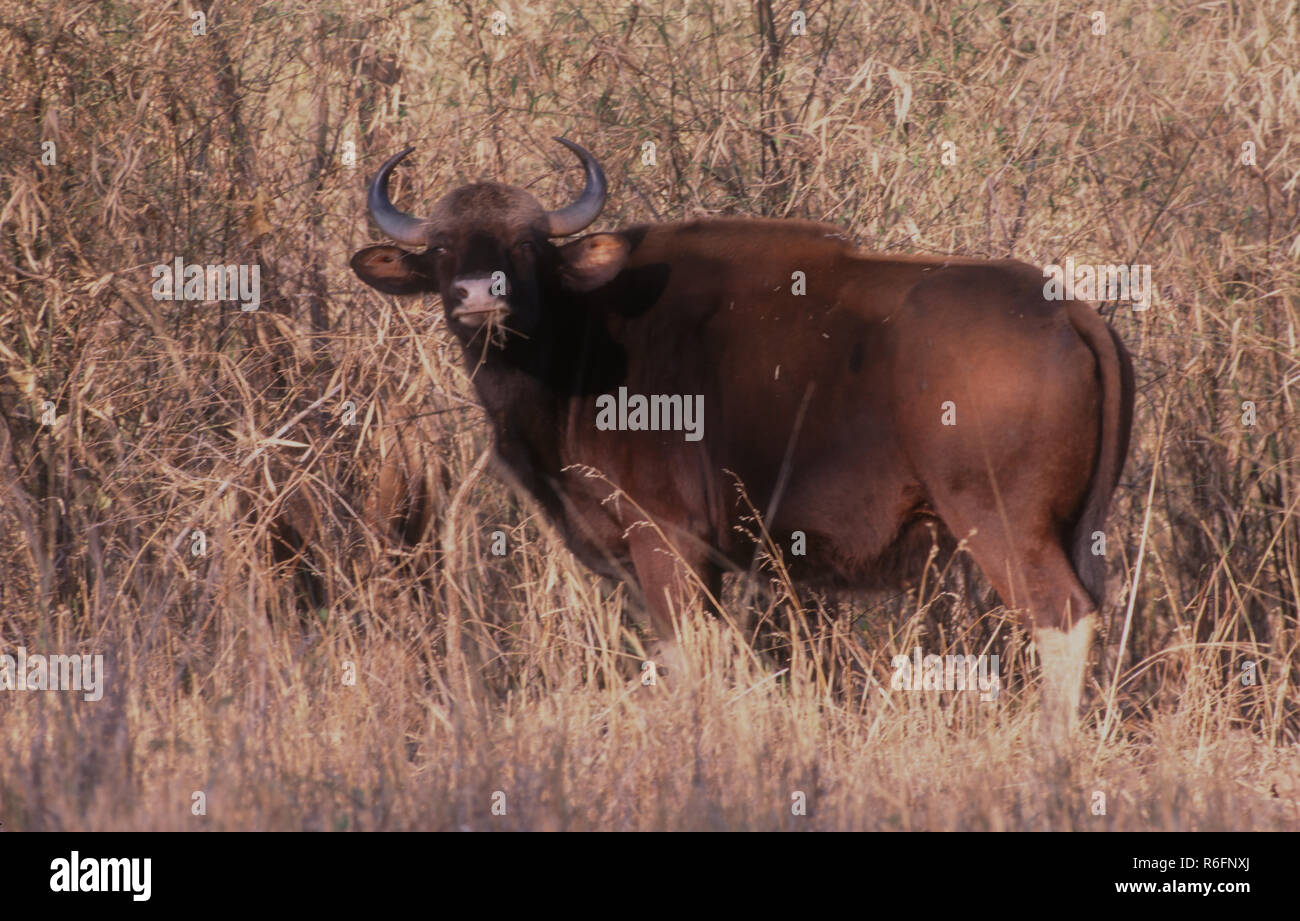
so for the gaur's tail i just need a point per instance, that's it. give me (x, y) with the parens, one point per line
(1115, 370)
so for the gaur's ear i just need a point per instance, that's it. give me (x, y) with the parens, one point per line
(593, 261)
(393, 270)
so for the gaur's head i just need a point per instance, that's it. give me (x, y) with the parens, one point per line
(487, 250)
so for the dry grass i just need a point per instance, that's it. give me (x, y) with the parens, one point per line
(518, 674)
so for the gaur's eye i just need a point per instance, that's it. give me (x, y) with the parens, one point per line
(524, 247)
(438, 250)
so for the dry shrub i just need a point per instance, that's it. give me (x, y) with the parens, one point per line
(335, 549)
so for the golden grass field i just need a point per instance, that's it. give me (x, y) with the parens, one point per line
(1169, 140)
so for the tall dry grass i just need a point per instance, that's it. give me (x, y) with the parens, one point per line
(367, 547)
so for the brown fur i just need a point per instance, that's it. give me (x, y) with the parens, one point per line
(827, 406)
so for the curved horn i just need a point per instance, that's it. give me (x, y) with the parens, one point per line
(574, 217)
(399, 225)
